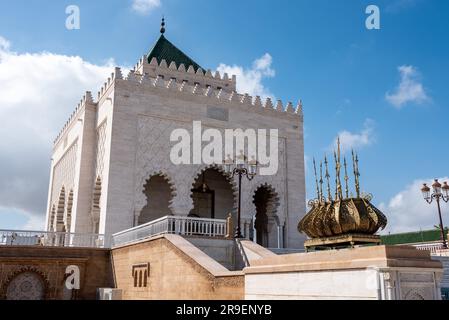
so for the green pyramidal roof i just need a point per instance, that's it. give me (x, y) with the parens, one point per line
(165, 50)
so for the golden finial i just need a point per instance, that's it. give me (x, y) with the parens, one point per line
(346, 178)
(163, 25)
(336, 176)
(321, 182)
(337, 156)
(329, 195)
(355, 164)
(316, 180)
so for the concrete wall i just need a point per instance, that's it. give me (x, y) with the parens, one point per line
(445, 261)
(50, 265)
(371, 273)
(224, 252)
(177, 271)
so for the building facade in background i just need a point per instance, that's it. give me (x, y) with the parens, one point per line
(111, 167)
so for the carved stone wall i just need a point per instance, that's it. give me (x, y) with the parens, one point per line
(38, 273)
(62, 186)
(153, 154)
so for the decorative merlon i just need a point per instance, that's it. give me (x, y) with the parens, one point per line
(269, 104)
(176, 85)
(87, 99)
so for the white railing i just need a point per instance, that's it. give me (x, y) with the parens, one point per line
(51, 239)
(433, 247)
(184, 226)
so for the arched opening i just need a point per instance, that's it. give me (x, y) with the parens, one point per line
(51, 223)
(96, 209)
(159, 195)
(26, 286)
(213, 195)
(68, 215)
(59, 225)
(266, 221)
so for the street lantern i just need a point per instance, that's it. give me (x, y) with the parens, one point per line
(426, 192)
(445, 190)
(242, 168)
(253, 166)
(439, 193)
(228, 164)
(436, 187)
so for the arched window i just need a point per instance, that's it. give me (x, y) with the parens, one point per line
(68, 214)
(51, 223)
(159, 193)
(213, 195)
(96, 209)
(59, 225)
(266, 201)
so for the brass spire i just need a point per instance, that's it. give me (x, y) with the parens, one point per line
(346, 178)
(329, 195)
(336, 177)
(316, 181)
(337, 156)
(355, 164)
(321, 182)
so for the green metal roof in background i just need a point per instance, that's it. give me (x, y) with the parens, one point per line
(412, 237)
(164, 49)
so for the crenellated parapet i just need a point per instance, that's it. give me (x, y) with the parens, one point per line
(86, 100)
(169, 70)
(182, 81)
(168, 77)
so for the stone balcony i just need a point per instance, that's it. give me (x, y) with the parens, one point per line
(52, 239)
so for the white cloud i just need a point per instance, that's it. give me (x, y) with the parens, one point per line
(145, 6)
(410, 88)
(4, 44)
(349, 140)
(251, 80)
(38, 92)
(407, 210)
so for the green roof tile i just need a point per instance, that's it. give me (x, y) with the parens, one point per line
(412, 237)
(165, 50)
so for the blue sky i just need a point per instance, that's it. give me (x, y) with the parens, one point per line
(347, 76)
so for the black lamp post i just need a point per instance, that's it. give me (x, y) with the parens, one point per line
(439, 193)
(242, 168)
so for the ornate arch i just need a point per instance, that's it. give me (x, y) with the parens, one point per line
(414, 294)
(96, 204)
(60, 211)
(23, 270)
(274, 202)
(142, 200)
(68, 212)
(266, 221)
(278, 205)
(51, 222)
(227, 176)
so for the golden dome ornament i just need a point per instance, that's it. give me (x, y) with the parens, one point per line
(343, 221)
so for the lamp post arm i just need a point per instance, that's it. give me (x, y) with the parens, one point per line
(443, 233)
